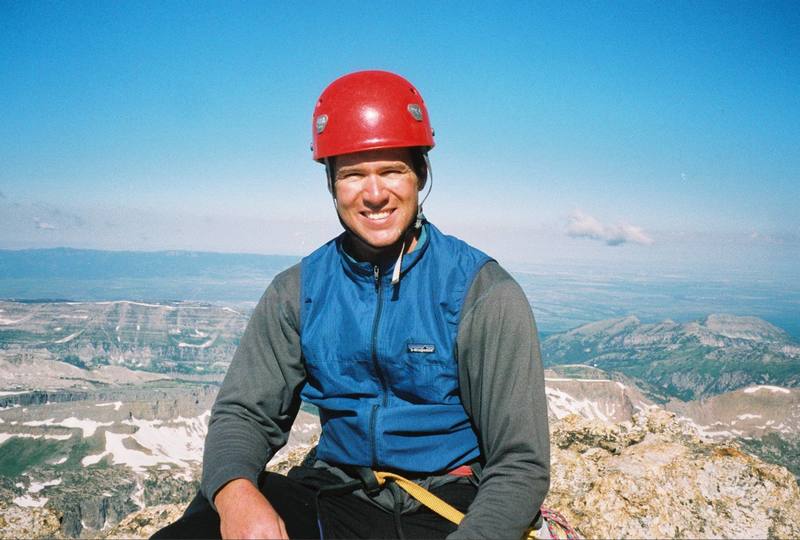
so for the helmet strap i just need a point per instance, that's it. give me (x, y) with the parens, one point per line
(429, 182)
(330, 180)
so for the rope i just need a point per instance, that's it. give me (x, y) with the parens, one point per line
(553, 518)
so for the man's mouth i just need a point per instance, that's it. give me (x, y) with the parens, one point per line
(376, 216)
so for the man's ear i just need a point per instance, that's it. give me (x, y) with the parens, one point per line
(330, 176)
(421, 170)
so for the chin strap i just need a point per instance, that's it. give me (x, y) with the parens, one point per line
(330, 180)
(417, 224)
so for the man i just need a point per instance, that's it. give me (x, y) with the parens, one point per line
(419, 351)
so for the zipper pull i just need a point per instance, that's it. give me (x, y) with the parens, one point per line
(376, 271)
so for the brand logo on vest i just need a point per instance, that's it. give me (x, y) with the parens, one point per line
(421, 348)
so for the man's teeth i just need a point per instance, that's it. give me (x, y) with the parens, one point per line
(377, 215)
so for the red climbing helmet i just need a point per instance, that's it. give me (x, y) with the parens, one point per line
(368, 110)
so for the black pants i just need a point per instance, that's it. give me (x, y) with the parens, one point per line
(341, 516)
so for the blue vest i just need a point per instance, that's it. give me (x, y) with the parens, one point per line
(380, 358)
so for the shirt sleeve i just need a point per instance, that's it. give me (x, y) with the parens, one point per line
(259, 397)
(502, 389)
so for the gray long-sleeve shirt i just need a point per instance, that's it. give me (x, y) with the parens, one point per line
(501, 384)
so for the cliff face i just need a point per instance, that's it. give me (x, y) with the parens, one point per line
(654, 477)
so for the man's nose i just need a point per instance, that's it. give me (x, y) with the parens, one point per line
(374, 190)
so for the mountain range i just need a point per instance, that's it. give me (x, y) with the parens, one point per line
(103, 405)
(692, 360)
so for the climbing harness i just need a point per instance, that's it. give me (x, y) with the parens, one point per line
(557, 525)
(558, 528)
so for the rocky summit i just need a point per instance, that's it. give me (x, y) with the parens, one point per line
(654, 477)
(649, 477)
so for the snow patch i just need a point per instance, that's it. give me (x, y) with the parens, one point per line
(36, 487)
(773, 389)
(5, 436)
(178, 442)
(138, 496)
(87, 426)
(36, 423)
(30, 502)
(203, 345)
(563, 404)
(6, 322)
(70, 337)
(705, 431)
(748, 416)
(115, 404)
(171, 308)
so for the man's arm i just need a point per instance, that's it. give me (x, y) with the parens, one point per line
(259, 398)
(502, 388)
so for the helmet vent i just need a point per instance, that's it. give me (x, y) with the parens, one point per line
(415, 111)
(322, 121)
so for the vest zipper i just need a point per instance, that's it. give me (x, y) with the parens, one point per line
(373, 419)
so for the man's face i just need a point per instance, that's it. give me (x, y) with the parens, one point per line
(377, 194)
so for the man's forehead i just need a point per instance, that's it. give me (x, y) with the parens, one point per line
(383, 154)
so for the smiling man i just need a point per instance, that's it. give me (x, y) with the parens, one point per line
(419, 351)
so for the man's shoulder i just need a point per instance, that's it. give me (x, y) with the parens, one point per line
(493, 282)
(491, 275)
(287, 282)
(453, 242)
(458, 253)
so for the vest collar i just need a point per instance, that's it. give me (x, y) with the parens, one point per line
(366, 270)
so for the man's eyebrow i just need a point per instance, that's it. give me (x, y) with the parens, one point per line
(346, 168)
(388, 165)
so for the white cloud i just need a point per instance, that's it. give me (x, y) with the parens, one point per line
(43, 225)
(582, 225)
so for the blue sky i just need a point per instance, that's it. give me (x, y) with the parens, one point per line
(652, 134)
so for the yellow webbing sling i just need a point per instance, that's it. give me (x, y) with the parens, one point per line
(452, 514)
(423, 496)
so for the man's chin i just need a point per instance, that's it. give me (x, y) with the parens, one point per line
(379, 243)
(370, 247)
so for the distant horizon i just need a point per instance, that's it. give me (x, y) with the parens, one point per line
(562, 296)
(660, 137)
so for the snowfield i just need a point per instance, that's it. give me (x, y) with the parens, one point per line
(773, 389)
(178, 442)
(5, 436)
(563, 404)
(89, 427)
